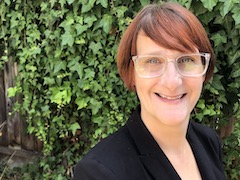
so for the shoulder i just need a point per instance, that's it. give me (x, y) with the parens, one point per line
(203, 131)
(92, 169)
(109, 157)
(116, 145)
(201, 128)
(207, 137)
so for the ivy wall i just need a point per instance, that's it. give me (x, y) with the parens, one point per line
(72, 95)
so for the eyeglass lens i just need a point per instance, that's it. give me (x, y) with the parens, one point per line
(186, 65)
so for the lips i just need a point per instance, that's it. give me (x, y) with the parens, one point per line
(170, 97)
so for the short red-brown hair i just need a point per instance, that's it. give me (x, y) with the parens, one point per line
(171, 26)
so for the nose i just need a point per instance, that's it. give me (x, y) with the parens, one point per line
(171, 79)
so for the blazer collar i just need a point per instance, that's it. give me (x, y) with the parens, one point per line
(154, 159)
(150, 153)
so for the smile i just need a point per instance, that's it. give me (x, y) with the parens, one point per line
(171, 97)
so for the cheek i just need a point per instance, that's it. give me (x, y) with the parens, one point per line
(139, 85)
(144, 87)
(202, 81)
(196, 86)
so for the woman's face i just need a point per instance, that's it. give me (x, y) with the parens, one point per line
(170, 98)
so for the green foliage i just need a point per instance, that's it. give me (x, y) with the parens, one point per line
(67, 76)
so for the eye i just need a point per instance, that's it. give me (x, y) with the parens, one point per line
(186, 59)
(153, 60)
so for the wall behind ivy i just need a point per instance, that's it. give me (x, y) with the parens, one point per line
(72, 95)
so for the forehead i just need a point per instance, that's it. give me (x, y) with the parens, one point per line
(146, 46)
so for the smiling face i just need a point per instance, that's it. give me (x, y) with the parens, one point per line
(169, 98)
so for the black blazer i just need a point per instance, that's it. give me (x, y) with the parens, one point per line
(132, 154)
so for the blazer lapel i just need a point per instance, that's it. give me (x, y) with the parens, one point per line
(151, 155)
(159, 167)
(203, 161)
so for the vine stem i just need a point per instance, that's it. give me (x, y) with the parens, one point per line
(8, 162)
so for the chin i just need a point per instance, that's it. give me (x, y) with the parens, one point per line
(176, 120)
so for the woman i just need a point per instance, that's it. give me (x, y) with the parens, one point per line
(165, 56)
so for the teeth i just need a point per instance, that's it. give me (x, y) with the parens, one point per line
(171, 97)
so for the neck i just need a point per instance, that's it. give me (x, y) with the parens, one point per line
(169, 138)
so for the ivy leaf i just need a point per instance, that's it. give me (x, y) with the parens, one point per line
(59, 66)
(67, 39)
(233, 57)
(95, 106)
(89, 20)
(8, 2)
(48, 81)
(98, 120)
(120, 11)
(56, 95)
(201, 104)
(12, 91)
(216, 83)
(222, 98)
(61, 95)
(81, 102)
(58, 52)
(106, 23)
(236, 73)
(67, 23)
(81, 28)
(236, 13)
(62, 2)
(209, 4)
(219, 38)
(74, 127)
(104, 3)
(43, 6)
(95, 47)
(187, 3)
(226, 7)
(31, 68)
(76, 66)
(52, 2)
(80, 40)
(144, 2)
(70, 1)
(89, 73)
(35, 50)
(87, 6)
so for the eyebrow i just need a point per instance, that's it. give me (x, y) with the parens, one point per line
(154, 53)
(160, 53)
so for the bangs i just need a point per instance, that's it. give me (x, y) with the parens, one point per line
(169, 29)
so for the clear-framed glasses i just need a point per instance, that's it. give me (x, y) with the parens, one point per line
(189, 65)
